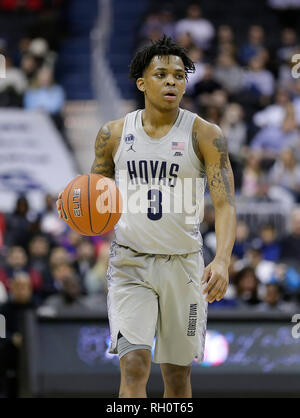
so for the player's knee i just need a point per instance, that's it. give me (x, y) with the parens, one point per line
(177, 378)
(136, 367)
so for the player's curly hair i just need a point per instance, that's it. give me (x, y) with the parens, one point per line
(164, 46)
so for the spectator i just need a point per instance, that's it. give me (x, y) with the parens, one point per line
(85, 260)
(39, 49)
(161, 22)
(251, 175)
(290, 244)
(20, 302)
(235, 130)
(186, 41)
(39, 261)
(70, 241)
(47, 96)
(29, 66)
(95, 279)
(225, 43)
(39, 253)
(68, 296)
(258, 81)
(271, 140)
(59, 255)
(206, 87)
(285, 174)
(13, 86)
(264, 269)
(201, 30)
(196, 55)
(18, 225)
(272, 301)
(246, 285)
(58, 274)
(70, 300)
(225, 34)
(285, 78)
(17, 262)
(288, 45)
(263, 194)
(274, 114)
(229, 73)
(242, 242)
(50, 224)
(254, 45)
(213, 113)
(167, 21)
(268, 244)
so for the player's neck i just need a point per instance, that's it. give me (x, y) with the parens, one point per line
(156, 118)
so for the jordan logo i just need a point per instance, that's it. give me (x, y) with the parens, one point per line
(190, 281)
(131, 148)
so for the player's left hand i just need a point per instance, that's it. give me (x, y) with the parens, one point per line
(216, 277)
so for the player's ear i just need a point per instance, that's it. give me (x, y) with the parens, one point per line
(140, 83)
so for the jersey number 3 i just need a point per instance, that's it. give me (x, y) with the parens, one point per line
(154, 210)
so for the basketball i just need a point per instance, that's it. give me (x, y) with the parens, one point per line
(91, 204)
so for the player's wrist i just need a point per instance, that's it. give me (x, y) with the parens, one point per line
(223, 258)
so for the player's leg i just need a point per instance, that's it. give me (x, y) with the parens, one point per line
(177, 381)
(135, 369)
(132, 310)
(181, 323)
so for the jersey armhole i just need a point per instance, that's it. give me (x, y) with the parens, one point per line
(196, 163)
(121, 144)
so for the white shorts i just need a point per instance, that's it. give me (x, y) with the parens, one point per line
(158, 295)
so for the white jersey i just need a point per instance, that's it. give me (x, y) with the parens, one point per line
(162, 183)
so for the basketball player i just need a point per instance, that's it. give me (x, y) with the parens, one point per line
(156, 277)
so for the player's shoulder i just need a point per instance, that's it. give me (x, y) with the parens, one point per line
(115, 127)
(206, 130)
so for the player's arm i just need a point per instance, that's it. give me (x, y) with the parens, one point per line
(106, 145)
(211, 147)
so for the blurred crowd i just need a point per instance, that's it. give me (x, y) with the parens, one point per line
(47, 268)
(29, 44)
(245, 86)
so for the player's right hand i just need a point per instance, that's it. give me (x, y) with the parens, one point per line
(58, 204)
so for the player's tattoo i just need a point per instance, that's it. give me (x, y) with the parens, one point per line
(195, 144)
(220, 175)
(102, 137)
(103, 163)
(105, 169)
(221, 145)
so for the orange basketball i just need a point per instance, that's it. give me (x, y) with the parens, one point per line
(91, 204)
